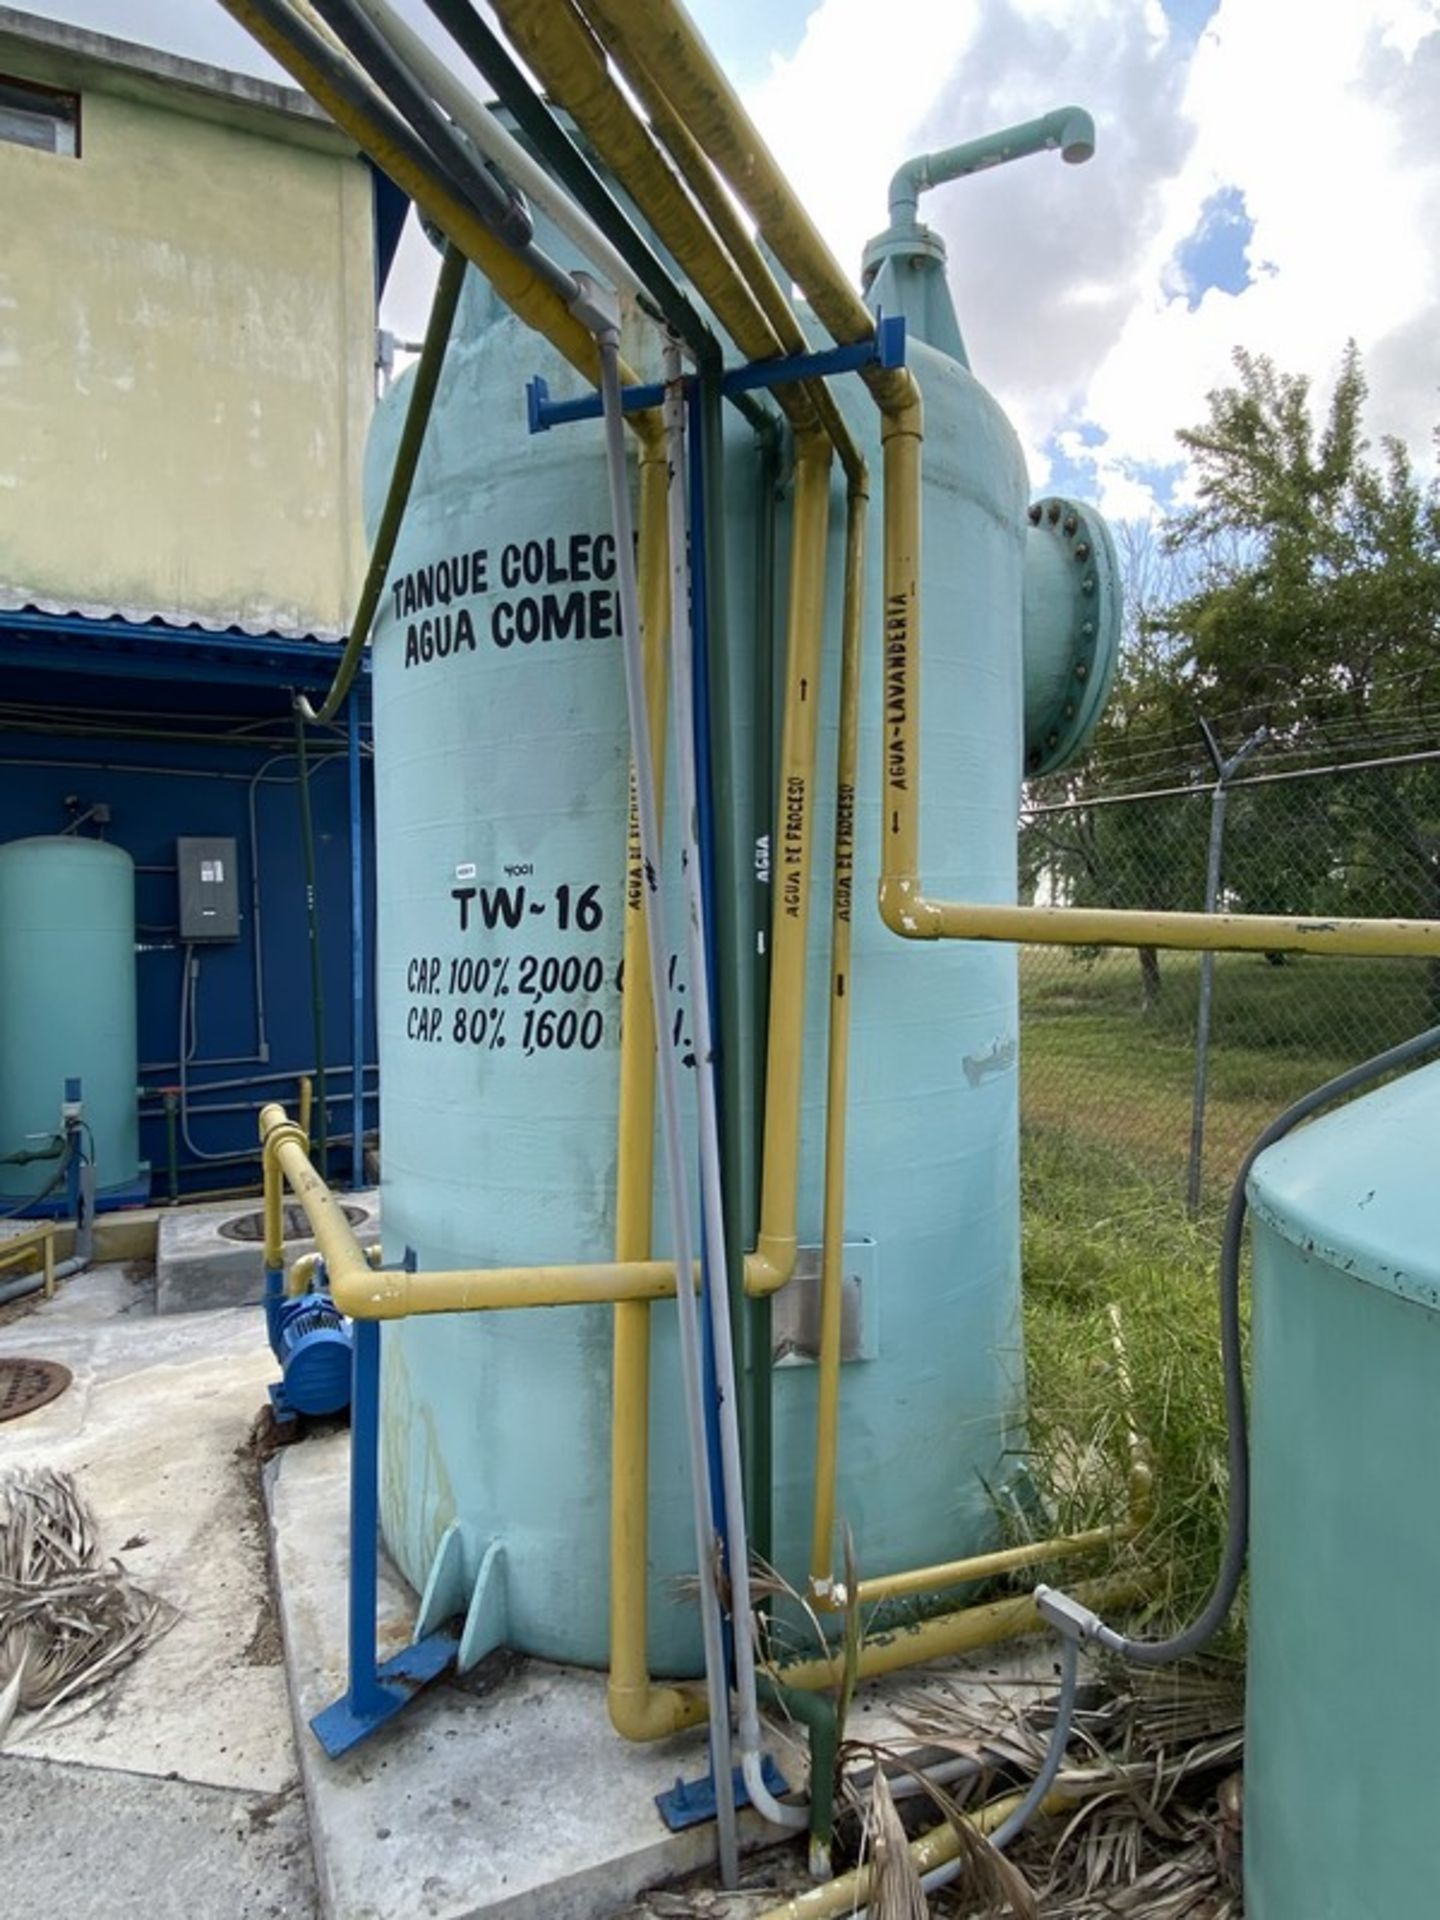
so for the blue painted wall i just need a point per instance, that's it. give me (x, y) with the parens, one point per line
(160, 789)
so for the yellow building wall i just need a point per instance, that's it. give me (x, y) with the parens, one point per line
(186, 369)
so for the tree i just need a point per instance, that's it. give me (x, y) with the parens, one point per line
(1301, 592)
(1321, 621)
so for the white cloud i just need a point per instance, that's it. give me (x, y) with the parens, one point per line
(1063, 277)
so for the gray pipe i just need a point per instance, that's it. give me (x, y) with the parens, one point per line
(33, 1282)
(676, 1168)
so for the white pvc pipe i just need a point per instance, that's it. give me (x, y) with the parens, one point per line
(682, 683)
(498, 145)
(676, 1169)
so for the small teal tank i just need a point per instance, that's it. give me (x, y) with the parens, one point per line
(501, 757)
(1344, 1677)
(67, 1004)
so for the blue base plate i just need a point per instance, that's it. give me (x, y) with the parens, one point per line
(689, 1803)
(346, 1722)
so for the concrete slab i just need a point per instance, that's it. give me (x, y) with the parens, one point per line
(74, 1840)
(200, 1263)
(156, 1427)
(509, 1795)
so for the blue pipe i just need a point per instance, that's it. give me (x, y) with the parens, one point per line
(700, 726)
(365, 1697)
(357, 952)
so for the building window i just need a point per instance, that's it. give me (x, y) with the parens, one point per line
(39, 117)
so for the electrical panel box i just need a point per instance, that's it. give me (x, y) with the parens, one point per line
(209, 890)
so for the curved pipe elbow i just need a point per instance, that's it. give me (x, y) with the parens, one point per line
(906, 911)
(1071, 130)
(646, 1712)
(771, 1266)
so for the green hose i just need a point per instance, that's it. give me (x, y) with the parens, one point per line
(407, 459)
(317, 972)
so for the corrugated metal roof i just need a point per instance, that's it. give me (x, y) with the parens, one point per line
(69, 606)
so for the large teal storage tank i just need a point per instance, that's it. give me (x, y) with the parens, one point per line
(501, 768)
(1344, 1681)
(67, 1003)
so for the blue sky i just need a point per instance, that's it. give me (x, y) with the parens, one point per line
(1100, 302)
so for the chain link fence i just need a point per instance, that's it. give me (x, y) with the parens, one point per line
(1114, 1052)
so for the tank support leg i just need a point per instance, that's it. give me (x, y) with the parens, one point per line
(375, 1693)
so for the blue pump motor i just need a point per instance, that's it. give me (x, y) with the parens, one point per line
(310, 1338)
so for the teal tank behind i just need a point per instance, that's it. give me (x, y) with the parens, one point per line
(67, 1003)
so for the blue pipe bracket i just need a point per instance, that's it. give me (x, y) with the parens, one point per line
(885, 348)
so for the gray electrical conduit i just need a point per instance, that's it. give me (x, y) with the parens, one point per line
(682, 690)
(480, 125)
(717, 1689)
(497, 207)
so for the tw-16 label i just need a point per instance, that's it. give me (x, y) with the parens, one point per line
(533, 1003)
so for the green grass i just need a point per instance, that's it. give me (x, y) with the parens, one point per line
(1100, 1233)
(1096, 1066)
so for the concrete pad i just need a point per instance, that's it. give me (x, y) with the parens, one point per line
(74, 1840)
(507, 1795)
(155, 1426)
(198, 1265)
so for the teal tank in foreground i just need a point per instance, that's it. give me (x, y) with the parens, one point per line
(1341, 1745)
(67, 1004)
(501, 758)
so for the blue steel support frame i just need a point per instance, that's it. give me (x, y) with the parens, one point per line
(886, 348)
(376, 1691)
(357, 950)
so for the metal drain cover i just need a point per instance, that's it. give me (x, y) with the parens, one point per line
(28, 1384)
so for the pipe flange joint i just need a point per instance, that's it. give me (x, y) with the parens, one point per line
(1071, 630)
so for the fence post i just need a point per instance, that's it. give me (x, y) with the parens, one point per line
(1225, 771)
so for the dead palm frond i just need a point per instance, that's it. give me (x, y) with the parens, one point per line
(69, 1622)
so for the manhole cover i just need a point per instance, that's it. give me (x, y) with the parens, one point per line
(251, 1226)
(27, 1384)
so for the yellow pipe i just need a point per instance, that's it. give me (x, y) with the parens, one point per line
(773, 1261)
(961, 1631)
(565, 56)
(570, 63)
(849, 1893)
(832, 1262)
(681, 66)
(639, 1709)
(304, 1104)
(987, 1566)
(302, 1273)
(365, 1294)
(518, 285)
(782, 333)
(699, 93)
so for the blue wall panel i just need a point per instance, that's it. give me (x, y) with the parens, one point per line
(158, 790)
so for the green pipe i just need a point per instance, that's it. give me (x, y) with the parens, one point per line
(1069, 128)
(312, 912)
(172, 1146)
(756, 1409)
(407, 459)
(816, 1712)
